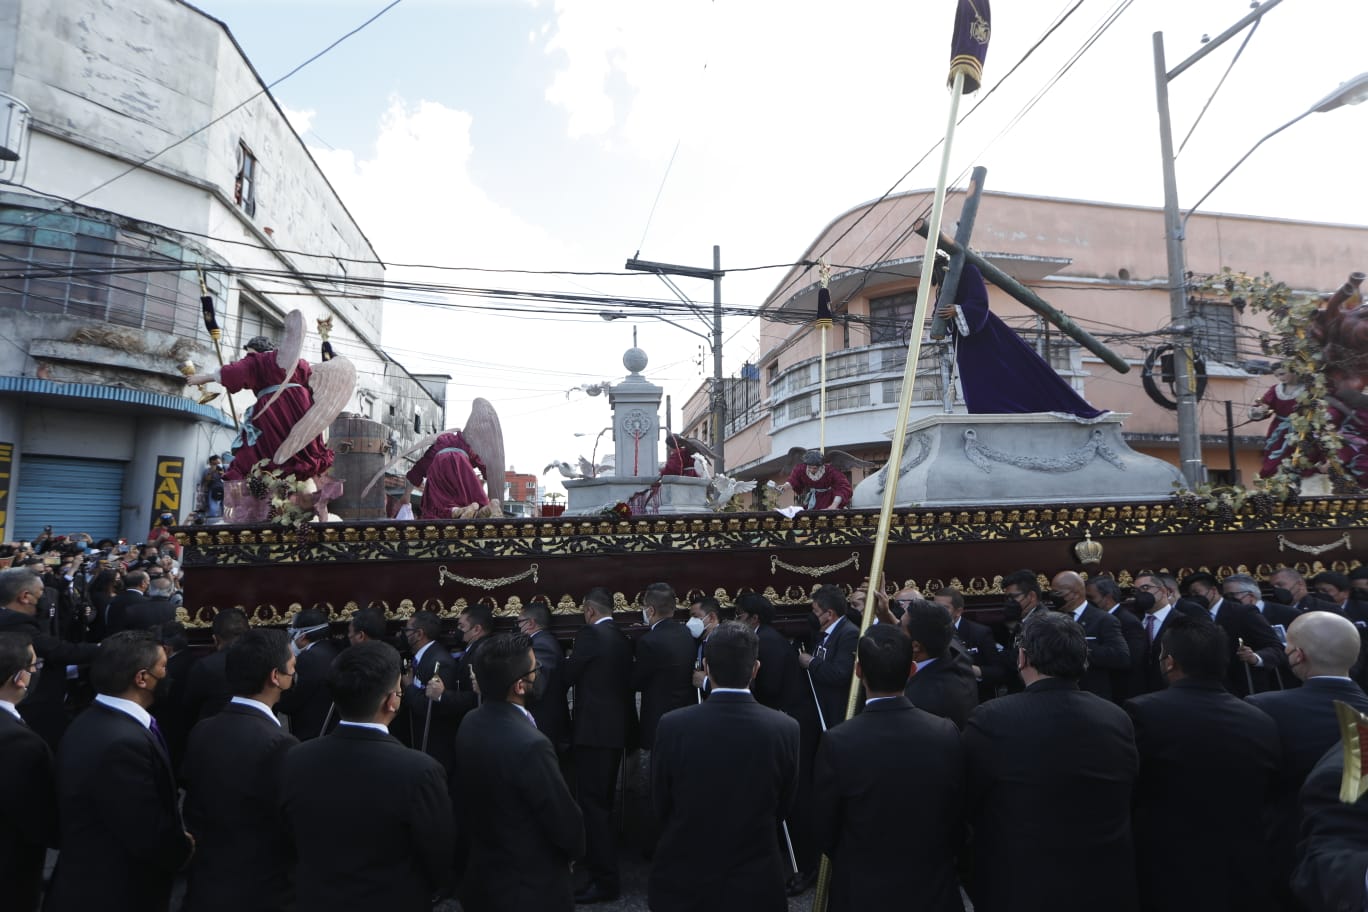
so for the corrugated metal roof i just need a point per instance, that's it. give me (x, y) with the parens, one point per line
(93, 391)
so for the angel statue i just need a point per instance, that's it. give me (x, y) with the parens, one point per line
(296, 402)
(682, 454)
(819, 480)
(447, 469)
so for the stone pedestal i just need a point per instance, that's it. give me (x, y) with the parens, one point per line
(992, 460)
(591, 496)
(636, 420)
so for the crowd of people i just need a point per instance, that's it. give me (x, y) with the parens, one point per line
(1174, 746)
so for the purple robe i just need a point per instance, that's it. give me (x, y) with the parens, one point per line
(820, 493)
(999, 372)
(259, 372)
(449, 469)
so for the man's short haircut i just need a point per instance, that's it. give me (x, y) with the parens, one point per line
(601, 600)
(1331, 578)
(173, 636)
(538, 613)
(362, 677)
(1359, 573)
(954, 595)
(428, 623)
(14, 653)
(660, 598)
(1242, 582)
(134, 579)
(312, 617)
(1292, 572)
(1025, 581)
(885, 654)
(163, 585)
(731, 653)
(229, 624)
(251, 659)
(481, 615)
(756, 604)
(1055, 645)
(120, 657)
(831, 598)
(929, 624)
(709, 605)
(13, 582)
(1165, 580)
(1200, 577)
(500, 661)
(370, 622)
(1106, 586)
(1198, 644)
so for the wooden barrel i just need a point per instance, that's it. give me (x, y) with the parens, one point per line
(360, 450)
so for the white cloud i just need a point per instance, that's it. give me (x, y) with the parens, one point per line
(302, 121)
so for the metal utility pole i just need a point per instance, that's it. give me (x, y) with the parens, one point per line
(718, 398)
(1185, 380)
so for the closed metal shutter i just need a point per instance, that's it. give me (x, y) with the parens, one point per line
(71, 495)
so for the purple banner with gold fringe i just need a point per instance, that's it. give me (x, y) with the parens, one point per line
(969, 46)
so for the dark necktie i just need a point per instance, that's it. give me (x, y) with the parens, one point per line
(161, 739)
(1149, 627)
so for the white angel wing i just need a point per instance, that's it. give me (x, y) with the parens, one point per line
(586, 468)
(287, 357)
(485, 436)
(702, 466)
(332, 384)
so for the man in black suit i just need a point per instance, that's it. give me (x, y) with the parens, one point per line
(308, 703)
(943, 683)
(734, 756)
(663, 670)
(122, 836)
(429, 724)
(207, 690)
(44, 710)
(28, 823)
(1299, 595)
(1103, 592)
(1243, 588)
(599, 667)
(548, 705)
(1256, 652)
(119, 614)
(1155, 597)
(475, 624)
(361, 780)
(1332, 853)
(1049, 777)
(705, 613)
(890, 791)
(365, 624)
(524, 826)
(832, 664)
(1321, 647)
(170, 711)
(1108, 652)
(232, 774)
(1208, 763)
(987, 658)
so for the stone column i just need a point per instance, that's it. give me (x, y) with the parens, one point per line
(636, 420)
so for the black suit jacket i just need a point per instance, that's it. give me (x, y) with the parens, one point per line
(29, 788)
(779, 683)
(663, 673)
(599, 667)
(832, 667)
(119, 613)
(122, 835)
(1277, 613)
(232, 773)
(1208, 765)
(441, 719)
(171, 712)
(723, 773)
(44, 709)
(550, 708)
(1332, 853)
(207, 691)
(1154, 677)
(1130, 682)
(1108, 651)
(881, 835)
(983, 650)
(388, 843)
(945, 688)
(1244, 622)
(308, 702)
(524, 826)
(1049, 777)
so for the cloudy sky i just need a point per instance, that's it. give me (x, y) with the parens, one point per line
(570, 135)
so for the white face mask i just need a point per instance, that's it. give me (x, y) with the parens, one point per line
(695, 626)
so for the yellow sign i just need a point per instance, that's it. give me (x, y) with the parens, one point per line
(166, 497)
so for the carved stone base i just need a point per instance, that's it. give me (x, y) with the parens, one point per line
(591, 496)
(990, 460)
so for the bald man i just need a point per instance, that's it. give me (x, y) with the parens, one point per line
(1321, 646)
(1107, 649)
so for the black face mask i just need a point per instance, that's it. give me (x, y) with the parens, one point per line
(813, 622)
(1011, 610)
(1199, 599)
(32, 684)
(1282, 596)
(1055, 601)
(1143, 602)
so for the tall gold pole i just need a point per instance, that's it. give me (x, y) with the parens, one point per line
(895, 454)
(824, 324)
(211, 324)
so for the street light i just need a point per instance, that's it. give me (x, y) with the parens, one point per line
(718, 399)
(1175, 225)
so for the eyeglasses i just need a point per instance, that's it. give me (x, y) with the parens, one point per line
(36, 667)
(409, 630)
(1014, 596)
(1150, 587)
(531, 671)
(1019, 643)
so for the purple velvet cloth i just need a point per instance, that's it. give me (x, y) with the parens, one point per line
(999, 372)
(258, 371)
(449, 469)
